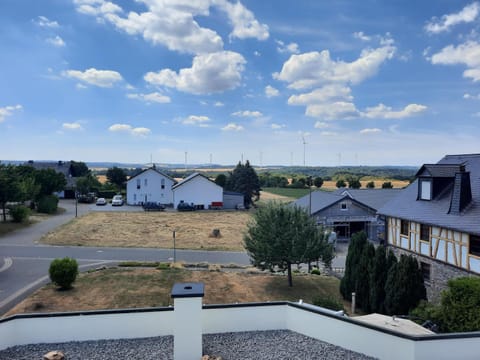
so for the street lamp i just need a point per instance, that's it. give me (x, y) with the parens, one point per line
(76, 195)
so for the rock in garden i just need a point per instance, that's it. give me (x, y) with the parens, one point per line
(54, 355)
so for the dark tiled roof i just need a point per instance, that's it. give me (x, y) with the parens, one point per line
(439, 170)
(373, 198)
(436, 211)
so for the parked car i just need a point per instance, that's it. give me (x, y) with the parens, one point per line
(153, 206)
(86, 198)
(101, 202)
(117, 200)
(183, 206)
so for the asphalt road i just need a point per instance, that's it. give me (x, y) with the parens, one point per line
(24, 262)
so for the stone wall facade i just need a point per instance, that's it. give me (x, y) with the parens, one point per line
(440, 273)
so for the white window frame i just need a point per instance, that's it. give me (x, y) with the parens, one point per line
(425, 190)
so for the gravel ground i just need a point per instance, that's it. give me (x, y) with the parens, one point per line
(258, 345)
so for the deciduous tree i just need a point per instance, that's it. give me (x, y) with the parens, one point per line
(116, 176)
(281, 235)
(244, 179)
(318, 182)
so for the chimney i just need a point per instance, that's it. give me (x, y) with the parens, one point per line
(462, 192)
(187, 335)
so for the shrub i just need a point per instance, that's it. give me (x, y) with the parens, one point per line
(48, 204)
(459, 305)
(328, 302)
(19, 213)
(315, 271)
(63, 272)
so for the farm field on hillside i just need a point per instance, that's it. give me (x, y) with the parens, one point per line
(154, 229)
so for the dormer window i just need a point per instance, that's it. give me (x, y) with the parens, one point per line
(425, 189)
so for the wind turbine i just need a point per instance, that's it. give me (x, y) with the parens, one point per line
(304, 143)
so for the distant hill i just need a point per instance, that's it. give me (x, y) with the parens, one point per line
(393, 172)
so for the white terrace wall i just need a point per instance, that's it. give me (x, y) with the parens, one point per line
(87, 326)
(342, 332)
(251, 317)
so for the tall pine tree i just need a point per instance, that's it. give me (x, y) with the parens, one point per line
(378, 278)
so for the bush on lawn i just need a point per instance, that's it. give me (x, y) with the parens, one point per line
(19, 213)
(48, 204)
(63, 272)
(328, 302)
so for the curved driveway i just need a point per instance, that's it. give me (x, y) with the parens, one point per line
(24, 262)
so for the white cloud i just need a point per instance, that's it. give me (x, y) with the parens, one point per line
(330, 102)
(332, 111)
(172, 23)
(317, 68)
(139, 131)
(243, 20)
(210, 73)
(370, 131)
(201, 121)
(360, 35)
(45, 22)
(277, 126)
(270, 91)
(328, 133)
(92, 76)
(218, 104)
(154, 97)
(8, 111)
(233, 127)
(56, 41)
(322, 95)
(321, 125)
(291, 48)
(247, 113)
(468, 14)
(72, 126)
(467, 53)
(470, 96)
(385, 112)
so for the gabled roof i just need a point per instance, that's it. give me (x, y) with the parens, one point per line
(371, 198)
(439, 170)
(190, 177)
(436, 211)
(153, 169)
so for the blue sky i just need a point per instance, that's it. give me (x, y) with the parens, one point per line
(360, 82)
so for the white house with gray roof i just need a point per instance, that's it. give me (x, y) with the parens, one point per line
(347, 211)
(199, 190)
(150, 185)
(437, 219)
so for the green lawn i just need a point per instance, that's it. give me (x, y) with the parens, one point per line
(289, 192)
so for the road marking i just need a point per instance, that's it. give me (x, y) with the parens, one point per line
(37, 283)
(7, 262)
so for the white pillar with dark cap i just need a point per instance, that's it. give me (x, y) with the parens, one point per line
(187, 303)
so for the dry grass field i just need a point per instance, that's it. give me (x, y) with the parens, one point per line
(140, 287)
(154, 229)
(397, 184)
